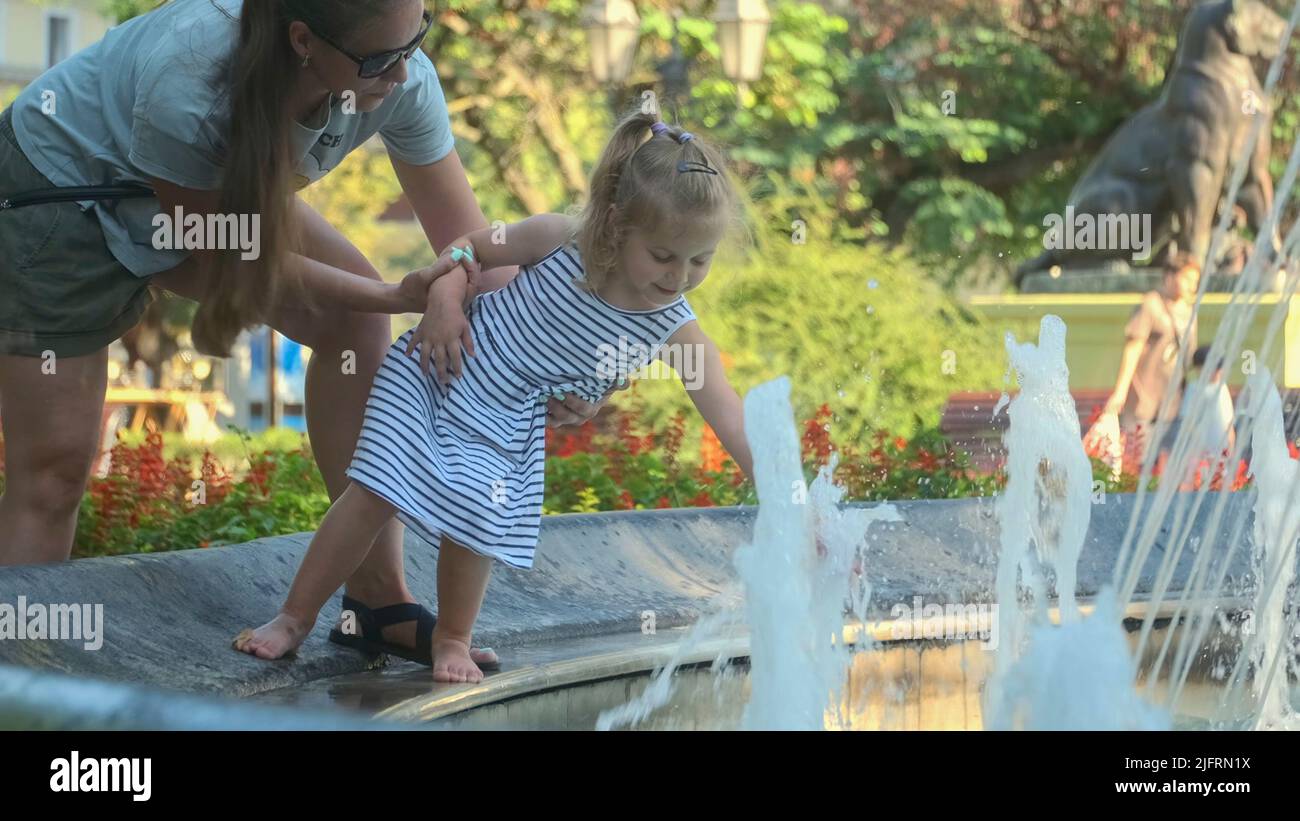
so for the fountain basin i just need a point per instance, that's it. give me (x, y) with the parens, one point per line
(890, 684)
(600, 581)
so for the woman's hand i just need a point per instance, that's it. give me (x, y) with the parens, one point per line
(573, 410)
(440, 334)
(463, 253)
(413, 291)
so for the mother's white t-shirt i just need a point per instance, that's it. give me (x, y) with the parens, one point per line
(151, 99)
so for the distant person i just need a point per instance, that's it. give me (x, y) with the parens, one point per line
(1216, 431)
(1148, 370)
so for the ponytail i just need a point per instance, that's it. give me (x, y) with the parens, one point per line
(601, 232)
(259, 171)
(257, 180)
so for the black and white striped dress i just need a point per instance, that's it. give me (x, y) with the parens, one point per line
(466, 460)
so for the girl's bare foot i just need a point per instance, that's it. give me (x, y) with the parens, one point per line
(483, 655)
(278, 637)
(452, 662)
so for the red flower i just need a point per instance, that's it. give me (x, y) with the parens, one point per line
(927, 461)
(663, 503)
(1243, 475)
(701, 499)
(712, 454)
(631, 442)
(816, 439)
(673, 442)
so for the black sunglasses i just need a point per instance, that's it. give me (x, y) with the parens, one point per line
(376, 65)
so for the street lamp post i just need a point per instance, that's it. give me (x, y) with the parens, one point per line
(675, 72)
(742, 37)
(613, 29)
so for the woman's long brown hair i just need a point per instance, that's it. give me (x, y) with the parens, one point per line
(259, 172)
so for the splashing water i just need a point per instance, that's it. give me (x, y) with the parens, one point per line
(1046, 500)
(1080, 674)
(660, 691)
(795, 602)
(1277, 525)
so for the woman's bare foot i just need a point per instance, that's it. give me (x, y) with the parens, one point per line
(275, 639)
(452, 662)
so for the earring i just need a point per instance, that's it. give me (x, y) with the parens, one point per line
(306, 60)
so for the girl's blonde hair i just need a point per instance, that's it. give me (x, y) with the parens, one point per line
(644, 180)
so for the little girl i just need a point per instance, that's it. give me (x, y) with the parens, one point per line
(460, 461)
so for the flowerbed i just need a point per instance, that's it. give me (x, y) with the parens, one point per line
(154, 498)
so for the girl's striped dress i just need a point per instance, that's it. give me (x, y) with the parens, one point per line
(466, 460)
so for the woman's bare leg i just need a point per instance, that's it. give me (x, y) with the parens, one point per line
(51, 412)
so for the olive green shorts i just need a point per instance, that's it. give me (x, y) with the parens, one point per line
(61, 289)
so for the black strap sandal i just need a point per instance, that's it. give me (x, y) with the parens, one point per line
(370, 624)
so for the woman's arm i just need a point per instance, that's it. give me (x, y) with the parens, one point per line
(333, 287)
(447, 209)
(1137, 331)
(715, 399)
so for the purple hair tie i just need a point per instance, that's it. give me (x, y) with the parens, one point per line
(662, 128)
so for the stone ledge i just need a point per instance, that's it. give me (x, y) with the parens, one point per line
(170, 618)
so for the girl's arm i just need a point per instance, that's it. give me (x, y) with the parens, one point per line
(444, 327)
(1136, 334)
(504, 248)
(715, 399)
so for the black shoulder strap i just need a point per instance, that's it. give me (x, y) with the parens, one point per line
(42, 196)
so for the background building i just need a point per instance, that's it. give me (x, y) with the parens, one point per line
(36, 35)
